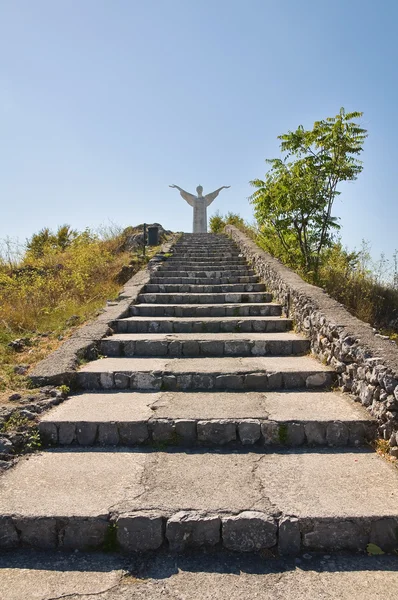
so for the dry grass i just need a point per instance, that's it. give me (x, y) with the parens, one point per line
(51, 290)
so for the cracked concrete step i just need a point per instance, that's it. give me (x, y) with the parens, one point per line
(201, 324)
(224, 373)
(341, 500)
(226, 288)
(180, 418)
(179, 279)
(202, 298)
(204, 344)
(206, 310)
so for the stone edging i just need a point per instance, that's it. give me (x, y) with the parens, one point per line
(60, 366)
(366, 364)
(244, 531)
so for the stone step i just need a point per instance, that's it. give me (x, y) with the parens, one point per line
(194, 267)
(203, 298)
(217, 260)
(243, 501)
(162, 273)
(204, 344)
(225, 288)
(222, 373)
(206, 310)
(253, 418)
(205, 252)
(202, 325)
(181, 280)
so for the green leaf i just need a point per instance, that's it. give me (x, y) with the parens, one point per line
(374, 550)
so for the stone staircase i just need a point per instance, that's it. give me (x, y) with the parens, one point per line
(206, 423)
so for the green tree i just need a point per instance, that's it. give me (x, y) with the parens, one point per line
(293, 204)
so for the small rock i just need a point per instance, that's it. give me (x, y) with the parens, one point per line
(14, 397)
(21, 369)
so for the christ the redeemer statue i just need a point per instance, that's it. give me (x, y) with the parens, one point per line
(199, 204)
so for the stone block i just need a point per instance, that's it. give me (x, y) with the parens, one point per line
(110, 348)
(337, 434)
(150, 348)
(275, 381)
(190, 348)
(8, 534)
(184, 382)
(256, 381)
(186, 430)
(48, 432)
(249, 431)
(295, 435)
(133, 433)
(88, 381)
(229, 382)
(146, 381)
(214, 348)
(384, 533)
(122, 381)
(140, 531)
(237, 348)
(315, 433)
(169, 383)
(289, 537)
(86, 433)
(218, 432)
(202, 382)
(175, 348)
(319, 380)
(107, 381)
(108, 434)
(293, 380)
(258, 348)
(357, 434)
(66, 433)
(163, 430)
(39, 532)
(270, 432)
(249, 531)
(84, 533)
(192, 529)
(334, 535)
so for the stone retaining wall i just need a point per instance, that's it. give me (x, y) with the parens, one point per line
(366, 363)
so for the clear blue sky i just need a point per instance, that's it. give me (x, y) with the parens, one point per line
(103, 103)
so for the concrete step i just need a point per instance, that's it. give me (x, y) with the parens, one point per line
(204, 344)
(223, 373)
(224, 418)
(242, 501)
(201, 325)
(203, 298)
(206, 310)
(225, 288)
(183, 280)
(161, 273)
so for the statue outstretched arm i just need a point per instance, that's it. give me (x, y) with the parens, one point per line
(190, 198)
(210, 197)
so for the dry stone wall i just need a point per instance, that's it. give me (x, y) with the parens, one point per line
(366, 362)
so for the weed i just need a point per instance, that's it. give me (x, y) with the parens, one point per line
(64, 389)
(282, 433)
(110, 541)
(14, 422)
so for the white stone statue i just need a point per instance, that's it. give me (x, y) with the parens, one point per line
(199, 204)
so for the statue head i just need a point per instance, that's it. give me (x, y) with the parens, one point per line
(199, 189)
